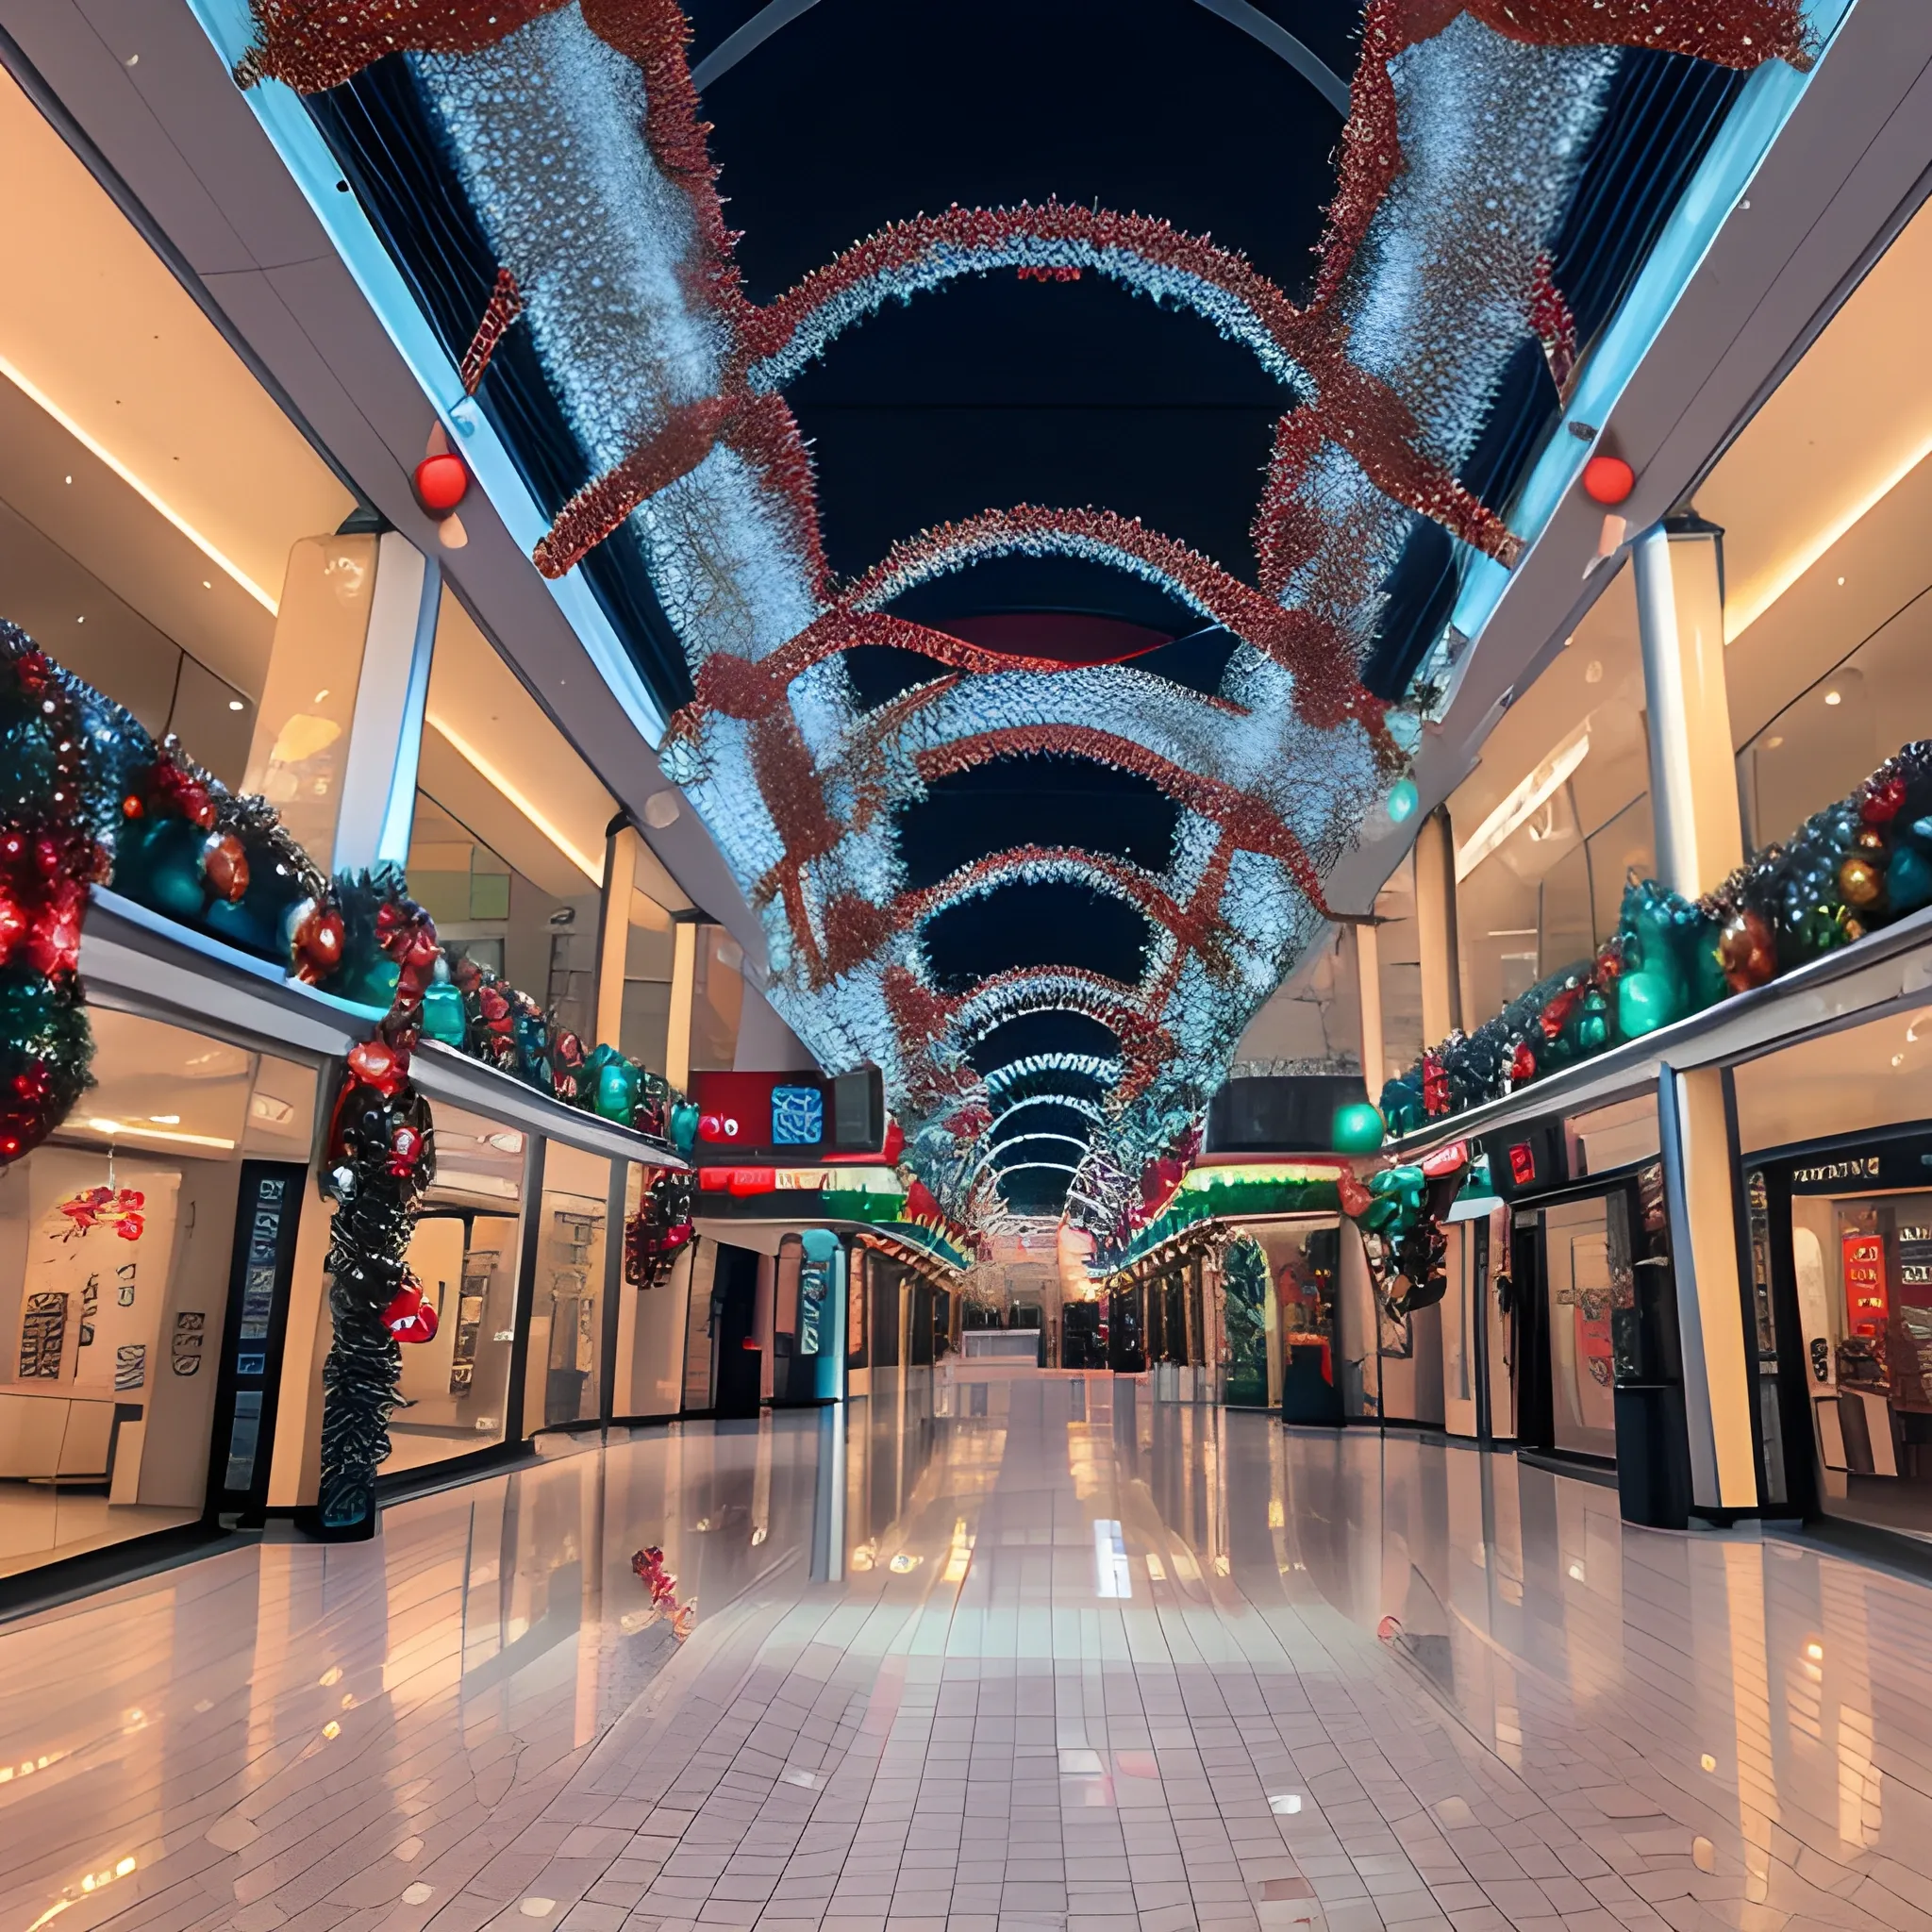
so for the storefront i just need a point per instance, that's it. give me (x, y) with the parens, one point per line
(1575, 1278)
(1837, 1182)
(146, 1253)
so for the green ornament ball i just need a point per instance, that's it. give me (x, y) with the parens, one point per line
(1357, 1129)
(1647, 1000)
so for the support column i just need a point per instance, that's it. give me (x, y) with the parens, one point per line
(339, 731)
(1700, 1176)
(684, 973)
(1368, 982)
(1435, 921)
(621, 843)
(1693, 776)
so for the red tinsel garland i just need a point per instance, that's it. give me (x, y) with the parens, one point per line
(1257, 827)
(1327, 690)
(505, 304)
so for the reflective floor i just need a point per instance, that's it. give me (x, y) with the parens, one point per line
(1091, 1663)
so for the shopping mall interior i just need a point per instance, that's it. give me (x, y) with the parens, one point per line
(968, 1012)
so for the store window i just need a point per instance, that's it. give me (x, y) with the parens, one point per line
(465, 1253)
(562, 1382)
(1556, 819)
(523, 931)
(1826, 612)
(507, 848)
(717, 1001)
(1399, 973)
(1838, 1182)
(1583, 1257)
(116, 1240)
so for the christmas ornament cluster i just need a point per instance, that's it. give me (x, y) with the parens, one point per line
(1861, 863)
(89, 797)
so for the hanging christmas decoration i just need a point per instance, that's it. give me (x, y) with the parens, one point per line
(1434, 267)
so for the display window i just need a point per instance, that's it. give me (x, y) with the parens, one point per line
(1556, 819)
(1837, 1181)
(466, 1252)
(562, 1366)
(119, 1240)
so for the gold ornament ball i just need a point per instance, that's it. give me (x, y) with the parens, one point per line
(1859, 882)
(1870, 840)
(1747, 951)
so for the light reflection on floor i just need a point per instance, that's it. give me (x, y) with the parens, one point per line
(1091, 1659)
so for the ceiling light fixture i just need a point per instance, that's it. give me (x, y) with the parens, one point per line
(1524, 802)
(458, 744)
(1833, 697)
(153, 500)
(116, 1128)
(1739, 617)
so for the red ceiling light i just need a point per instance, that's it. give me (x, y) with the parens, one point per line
(441, 482)
(1608, 480)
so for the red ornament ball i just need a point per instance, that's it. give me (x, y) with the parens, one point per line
(710, 1127)
(442, 483)
(1608, 480)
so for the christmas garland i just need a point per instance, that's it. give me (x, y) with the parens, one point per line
(1855, 866)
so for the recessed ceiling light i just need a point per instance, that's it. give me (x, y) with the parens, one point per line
(70, 479)
(1840, 581)
(320, 695)
(1772, 744)
(236, 704)
(1832, 698)
(208, 583)
(80, 620)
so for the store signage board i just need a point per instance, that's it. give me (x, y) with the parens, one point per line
(266, 1221)
(1903, 1162)
(1525, 1160)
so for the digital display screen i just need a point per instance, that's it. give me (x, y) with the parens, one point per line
(1523, 1163)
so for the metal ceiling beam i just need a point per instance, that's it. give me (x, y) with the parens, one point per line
(1249, 19)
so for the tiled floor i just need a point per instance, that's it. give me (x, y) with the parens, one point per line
(1093, 1665)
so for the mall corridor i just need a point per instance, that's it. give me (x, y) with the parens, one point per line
(1094, 1663)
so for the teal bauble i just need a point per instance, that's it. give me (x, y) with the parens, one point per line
(1593, 1023)
(684, 1125)
(1647, 1000)
(442, 1014)
(164, 869)
(616, 1094)
(1357, 1129)
(1907, 879)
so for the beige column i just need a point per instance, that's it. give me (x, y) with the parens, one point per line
(1700, 1167)
(1368, 980)
(1693, 777)
(683, 969)
(621, 843)
(337, 733)
(1435, 922)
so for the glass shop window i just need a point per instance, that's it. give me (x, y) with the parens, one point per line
(1580, 1277)
(717, 1001)
(649, 945)
(1874, 700)
(540, 936)
(562, 1383)
(1399, 973)
(1552, 822)
(464, 1252)
(1826, 606)
(1862, 1263)
(116, 1241)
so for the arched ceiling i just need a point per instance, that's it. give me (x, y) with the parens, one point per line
(1041, 508)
